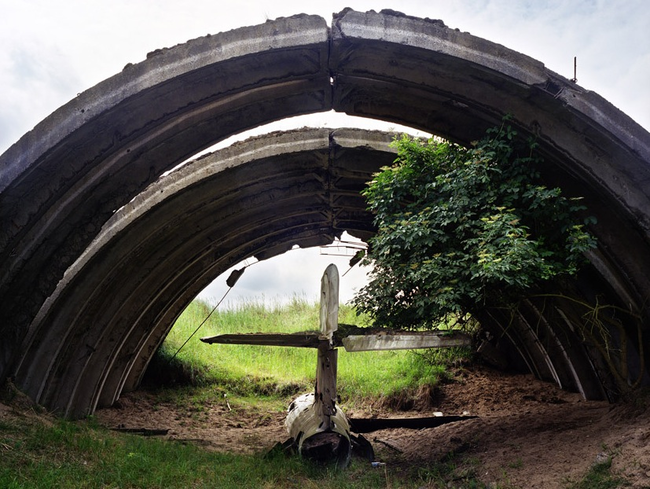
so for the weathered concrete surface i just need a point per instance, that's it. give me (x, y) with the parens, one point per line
(156, 253)
(63, 181)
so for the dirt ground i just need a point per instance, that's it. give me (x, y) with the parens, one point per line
(528, 433)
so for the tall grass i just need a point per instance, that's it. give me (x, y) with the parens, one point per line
(35, 453)
(286, 369)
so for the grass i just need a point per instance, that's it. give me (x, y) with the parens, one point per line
(82, 455)
(599, 476)
(260, 370)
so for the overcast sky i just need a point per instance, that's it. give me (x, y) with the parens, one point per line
(53, 49)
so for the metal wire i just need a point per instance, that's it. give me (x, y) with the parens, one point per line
(231, 281)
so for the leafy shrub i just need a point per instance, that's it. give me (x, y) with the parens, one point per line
(459, 228)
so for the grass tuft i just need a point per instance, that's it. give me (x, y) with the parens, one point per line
(599, 476)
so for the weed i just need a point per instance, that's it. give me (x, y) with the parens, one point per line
(454, 470)
(599, 476)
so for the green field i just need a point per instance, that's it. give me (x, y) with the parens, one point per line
(258, 370)
(42, 454)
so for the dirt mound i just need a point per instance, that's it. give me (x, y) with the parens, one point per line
(529, 434)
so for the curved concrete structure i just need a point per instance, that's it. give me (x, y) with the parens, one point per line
(64, 181)
(257, 198)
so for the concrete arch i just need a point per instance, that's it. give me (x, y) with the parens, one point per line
(257, 198)
(63, 181)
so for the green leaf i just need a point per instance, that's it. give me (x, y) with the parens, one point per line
(464, 228)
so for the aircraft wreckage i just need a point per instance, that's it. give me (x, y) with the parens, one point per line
(316, 424)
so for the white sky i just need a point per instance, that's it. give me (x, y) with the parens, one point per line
(50, 50)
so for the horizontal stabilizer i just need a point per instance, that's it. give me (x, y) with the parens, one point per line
(368, 425)
(305, 340)
(404, 341)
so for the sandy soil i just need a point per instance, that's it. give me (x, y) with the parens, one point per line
(528, 434)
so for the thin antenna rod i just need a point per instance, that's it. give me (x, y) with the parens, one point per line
(231, 281)
(575, 69)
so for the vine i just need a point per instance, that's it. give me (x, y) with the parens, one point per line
(595, 327)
